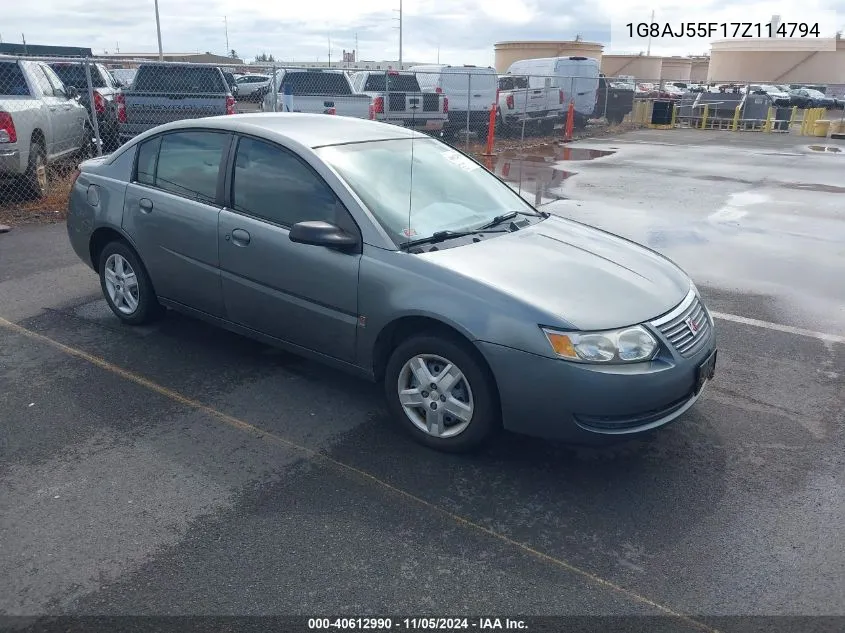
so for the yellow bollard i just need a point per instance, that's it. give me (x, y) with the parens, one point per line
(674, 115)
(767, 128)
(792, 117)
(704, 115)
(735, 123)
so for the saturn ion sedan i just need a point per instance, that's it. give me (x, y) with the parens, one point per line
(388, 253)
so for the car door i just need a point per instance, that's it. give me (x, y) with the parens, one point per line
(303, 294)
(54, 136)
(71, 112)
(170, 213)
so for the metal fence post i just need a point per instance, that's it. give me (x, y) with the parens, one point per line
(524, 113)
(469, 99)
(275, 90)
(92, 110)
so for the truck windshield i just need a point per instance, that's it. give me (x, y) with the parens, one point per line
(448, 191)
(396, 83)
(316, 83)
(179, 80)
(12, 81)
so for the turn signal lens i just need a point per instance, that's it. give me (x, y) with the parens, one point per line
(562, 345)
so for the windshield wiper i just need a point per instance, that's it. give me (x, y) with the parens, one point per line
(442, 236)
(504, 217)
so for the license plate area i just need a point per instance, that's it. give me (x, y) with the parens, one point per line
(705, 371)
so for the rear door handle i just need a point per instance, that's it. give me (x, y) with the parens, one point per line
(146, 205)
(240, 237)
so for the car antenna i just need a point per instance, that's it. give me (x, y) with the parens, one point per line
(411, 186)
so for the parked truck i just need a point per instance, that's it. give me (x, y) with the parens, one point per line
(41, 122)
(537, 106)
(104, 88)
(397, 98)
(161, 93)
(317, 91)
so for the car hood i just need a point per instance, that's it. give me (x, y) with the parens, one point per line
(585, 277)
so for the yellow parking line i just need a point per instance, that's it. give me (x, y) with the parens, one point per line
(321, 457)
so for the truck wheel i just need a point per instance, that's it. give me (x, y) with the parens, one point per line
(35, 179)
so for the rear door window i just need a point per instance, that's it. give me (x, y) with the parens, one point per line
(188, 164)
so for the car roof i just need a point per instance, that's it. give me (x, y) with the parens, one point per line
(310, 130)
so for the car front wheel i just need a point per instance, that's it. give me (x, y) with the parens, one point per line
(441, 393)
(126, 285)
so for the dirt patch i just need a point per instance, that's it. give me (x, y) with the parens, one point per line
(17, 210)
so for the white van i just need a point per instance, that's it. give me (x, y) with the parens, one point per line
(470, 89)
(578, 77)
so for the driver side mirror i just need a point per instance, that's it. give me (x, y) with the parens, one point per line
(71, 92)
(318, 233)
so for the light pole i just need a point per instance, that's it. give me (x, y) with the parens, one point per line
(158, 32)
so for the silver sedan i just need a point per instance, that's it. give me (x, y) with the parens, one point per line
(392, 255)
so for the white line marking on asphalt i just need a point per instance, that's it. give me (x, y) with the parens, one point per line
(822, 336)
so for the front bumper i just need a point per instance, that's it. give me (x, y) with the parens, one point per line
(592, 404)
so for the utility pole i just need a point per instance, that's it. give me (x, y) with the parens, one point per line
(438, 52)
(23, 38)
(356, 55)
(330, 51)
(400, 34)
(226, 27)
(648, 51)
(158, 32)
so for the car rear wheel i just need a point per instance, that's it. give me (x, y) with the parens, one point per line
(441, 393)
(35, 179)
(126, 285)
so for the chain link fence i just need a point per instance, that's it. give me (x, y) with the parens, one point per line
(55, 112)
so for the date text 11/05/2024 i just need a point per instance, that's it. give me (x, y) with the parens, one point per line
(723, 29)
(423, 623)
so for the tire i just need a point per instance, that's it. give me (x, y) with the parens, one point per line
(134, 304)
(36, 180)
(87, 150)
(473, 393)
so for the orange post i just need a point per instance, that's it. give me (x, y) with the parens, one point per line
(570, 122)
(491, 131)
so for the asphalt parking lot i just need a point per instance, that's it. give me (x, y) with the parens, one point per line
(179, 469)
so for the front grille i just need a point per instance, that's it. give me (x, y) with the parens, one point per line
(676, 326)
(619, 423)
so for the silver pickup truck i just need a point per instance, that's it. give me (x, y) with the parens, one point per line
(398, 99)
(41, 122)
(161, 93)
(316, 91)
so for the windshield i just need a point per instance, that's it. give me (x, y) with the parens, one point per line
(450, 192)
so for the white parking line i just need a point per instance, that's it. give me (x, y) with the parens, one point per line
(822, 336)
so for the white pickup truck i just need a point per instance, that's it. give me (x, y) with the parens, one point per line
(397, 98)
(41, 122)
(318, 91)
(539, 106)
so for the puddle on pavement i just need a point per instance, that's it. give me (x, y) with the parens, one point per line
(537, 173)
(826, 148)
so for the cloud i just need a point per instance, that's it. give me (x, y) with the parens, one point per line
(464, 30)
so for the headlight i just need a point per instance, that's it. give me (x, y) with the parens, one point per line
(628, 345)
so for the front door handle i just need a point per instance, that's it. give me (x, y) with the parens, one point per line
(240, 237)
(146, 205)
